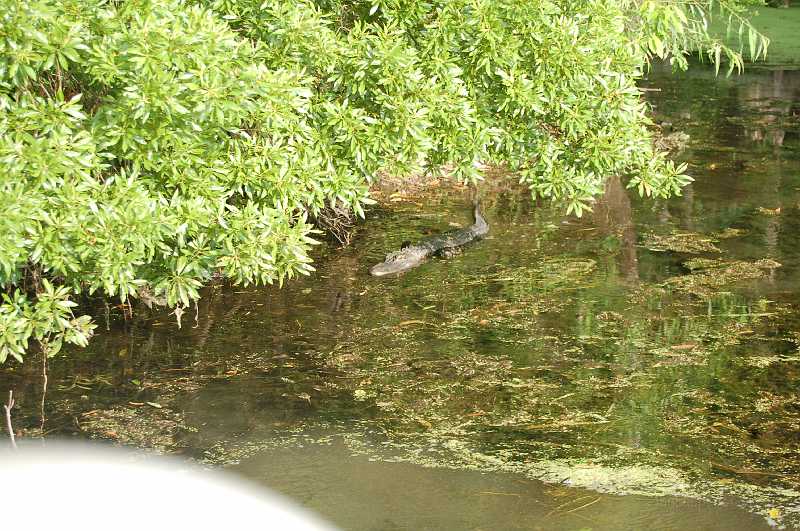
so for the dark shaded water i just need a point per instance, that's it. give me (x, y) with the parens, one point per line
(648, 349)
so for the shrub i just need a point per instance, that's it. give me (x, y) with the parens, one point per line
(146, 145)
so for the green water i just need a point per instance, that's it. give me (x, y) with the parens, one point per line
(638, 367)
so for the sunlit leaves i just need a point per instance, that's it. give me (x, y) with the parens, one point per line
(41, 37)
(48, 320)
(671, 29)
(182, 155)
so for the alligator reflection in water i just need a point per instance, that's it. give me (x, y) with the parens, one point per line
(561, 349)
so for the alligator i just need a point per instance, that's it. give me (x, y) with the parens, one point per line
(411, 256)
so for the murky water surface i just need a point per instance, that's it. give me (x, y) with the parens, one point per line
(635, 368)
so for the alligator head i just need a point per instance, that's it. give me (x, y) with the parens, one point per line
(400, 261)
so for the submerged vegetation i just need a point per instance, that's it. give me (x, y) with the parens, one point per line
(544, 362)
(149, 146)
(544, 351)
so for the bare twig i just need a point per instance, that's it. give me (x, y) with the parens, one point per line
(566, 504)
(338, 221)
(44, 386)
(584, 505)
(8, 408)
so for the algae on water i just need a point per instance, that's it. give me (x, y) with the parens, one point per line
(682, 242)
(708, 276)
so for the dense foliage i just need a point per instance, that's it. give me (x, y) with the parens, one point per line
(147, 145)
